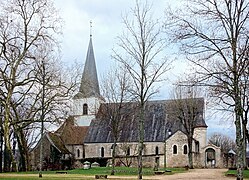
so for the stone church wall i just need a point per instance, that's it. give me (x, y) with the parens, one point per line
(77, 151)
(178, 158)
(153, 151)
(200, 134)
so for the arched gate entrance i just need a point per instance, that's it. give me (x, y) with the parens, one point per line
(210, 159)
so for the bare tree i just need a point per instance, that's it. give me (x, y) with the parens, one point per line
(214, 35)
(116, 92)
(186, 107)
(46, 102)
(129, 151)
(244, 93)
(25, 27)
(223, 141)
(141, 45)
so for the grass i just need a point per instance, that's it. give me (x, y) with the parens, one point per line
(83, 174)
(234, 172)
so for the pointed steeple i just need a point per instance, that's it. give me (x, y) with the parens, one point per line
(89, 86)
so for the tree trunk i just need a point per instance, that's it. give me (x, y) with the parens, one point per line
(7, 161)
(141, 141)
(239, 143)
(245, 133)
(190, 154)
(140, 158)
(238, 122)
(23, 150)
(113, 157)
(244, 144)
(8, 155)
(1, 143)
(1, 154)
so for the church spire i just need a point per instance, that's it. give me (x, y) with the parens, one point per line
(89, 86)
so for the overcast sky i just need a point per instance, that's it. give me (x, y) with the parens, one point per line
(106, 17)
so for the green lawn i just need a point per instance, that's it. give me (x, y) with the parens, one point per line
(83, 174)
(234, 172)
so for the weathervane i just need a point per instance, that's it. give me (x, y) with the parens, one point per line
(91, 28)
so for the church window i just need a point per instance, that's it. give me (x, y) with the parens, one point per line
(85, 109)
(128, 152)
(185, 149)
(102, 152)
(157, 150)
(84, 154)
(78, 153)
(197, 147)
(175, 149)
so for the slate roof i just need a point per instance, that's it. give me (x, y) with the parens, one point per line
(89, 86)
(160, 116)
(71, 134)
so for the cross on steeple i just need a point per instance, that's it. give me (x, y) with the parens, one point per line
(91, 28)
(89, 82)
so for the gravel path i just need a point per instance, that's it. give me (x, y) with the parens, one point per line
(192, 174)
(202, 174)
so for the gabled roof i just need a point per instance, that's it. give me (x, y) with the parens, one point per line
(210, 145)
(89, 86)
(159, 118)
(56, 141)
(71, 134)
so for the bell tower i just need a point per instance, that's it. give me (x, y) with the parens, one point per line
(87, 101)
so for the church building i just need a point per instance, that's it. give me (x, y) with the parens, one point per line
(87, 134)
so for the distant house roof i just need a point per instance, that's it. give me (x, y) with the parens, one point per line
(160, 116)
(71, 134)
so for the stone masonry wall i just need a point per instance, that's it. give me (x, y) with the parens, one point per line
(179, 159)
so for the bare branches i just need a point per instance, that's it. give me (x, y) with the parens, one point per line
(214, 36)
(27, 27)
(188, 110)
(116, 90)
(142, 44)
(140, 47)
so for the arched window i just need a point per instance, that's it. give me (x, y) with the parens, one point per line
(175, 149)
(85, 109)
(102, 152)
(83, 154)
(78, 153)
(157, 150)
(197, 146)
(185, 149)
(128, 152)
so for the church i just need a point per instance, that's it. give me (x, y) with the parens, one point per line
(87, 134)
